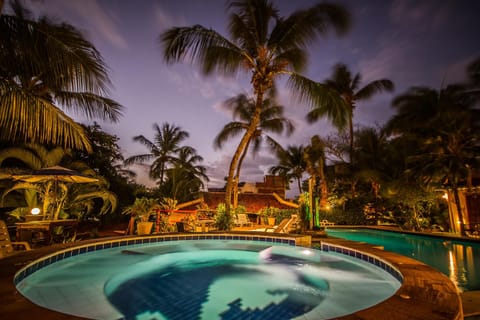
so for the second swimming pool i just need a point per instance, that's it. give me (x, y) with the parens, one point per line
(459, 260)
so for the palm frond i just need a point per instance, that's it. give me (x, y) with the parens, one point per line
(323, 100)
(22, 154)
(374, 87)
(303, 26)
(91, 105)
(195, 43)
(230, 130)
(27, 118)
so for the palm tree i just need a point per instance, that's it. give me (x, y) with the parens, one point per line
(291, 164)
(45, 65)
(315, 161)
(163, 150)
(348, 88)
(264, 44)
(271, 120)
(73, 199)
(186, 177)
(34, 156)
(446, 123)
(370, 158)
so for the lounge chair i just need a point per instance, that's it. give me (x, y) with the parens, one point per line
(242, 220)
(326, 223)
(8, 247)
(285, 225)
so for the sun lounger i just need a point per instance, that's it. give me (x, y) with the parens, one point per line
(8, 247)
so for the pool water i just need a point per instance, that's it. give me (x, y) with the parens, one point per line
(209, 279)
(459, 260)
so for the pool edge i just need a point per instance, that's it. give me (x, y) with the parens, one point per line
(424, 294)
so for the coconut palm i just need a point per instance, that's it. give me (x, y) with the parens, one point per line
(446, 123)
(185, 179)
(264, 44)
(370, 158)
(348, 87)
(163, 150)
(271, 120)
(291, 164)
(76, 200)
(45, 65)
(315, 161)
(34, 156)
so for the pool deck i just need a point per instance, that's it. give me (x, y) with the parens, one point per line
(424, 294)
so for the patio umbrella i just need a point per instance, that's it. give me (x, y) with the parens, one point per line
(55, 174)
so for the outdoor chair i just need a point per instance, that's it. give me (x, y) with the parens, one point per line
(8, 247)
(242, 220)
(325, 223)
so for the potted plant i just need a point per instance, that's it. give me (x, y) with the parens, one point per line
(269, 214)
(140, 212)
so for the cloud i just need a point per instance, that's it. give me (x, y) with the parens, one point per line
(253, 168)
(87, 13)
(421, 16)
(165, 20)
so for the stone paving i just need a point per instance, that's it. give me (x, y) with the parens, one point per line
(425, 294)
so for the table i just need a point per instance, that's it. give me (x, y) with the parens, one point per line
(204, 224)
(47, 230)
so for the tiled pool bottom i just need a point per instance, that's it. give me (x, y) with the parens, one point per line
(61, 288)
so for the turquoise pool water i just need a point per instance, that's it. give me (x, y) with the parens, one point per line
(459, 260)
(209, 279)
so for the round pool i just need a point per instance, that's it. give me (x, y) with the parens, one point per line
(207, 279)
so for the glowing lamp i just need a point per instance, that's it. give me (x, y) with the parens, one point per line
(35, 211)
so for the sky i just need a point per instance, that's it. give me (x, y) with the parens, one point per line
(411, 42)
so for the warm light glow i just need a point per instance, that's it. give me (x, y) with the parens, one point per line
(445, 196)
(307, 252)
(35, 211)
(452, 267)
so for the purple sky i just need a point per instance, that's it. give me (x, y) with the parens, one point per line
(410, 42)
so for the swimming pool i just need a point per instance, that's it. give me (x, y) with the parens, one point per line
(459, 260)
(208, 279)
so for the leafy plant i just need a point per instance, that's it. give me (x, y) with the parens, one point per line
(142, 208)
(223, 220)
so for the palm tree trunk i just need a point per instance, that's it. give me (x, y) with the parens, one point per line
(299, 182)
(323, 188)
(236, 180)
(459, 210)
(350, 127)
(238, 152)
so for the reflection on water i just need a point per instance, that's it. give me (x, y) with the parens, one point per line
(459, 260)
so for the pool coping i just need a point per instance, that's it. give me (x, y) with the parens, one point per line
(424, 294)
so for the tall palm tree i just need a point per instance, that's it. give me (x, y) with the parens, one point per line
(315, 161)
(264, 44)
(163, 149)
(45, 65)
(271, 120)
(348, 87)
(291, 164)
